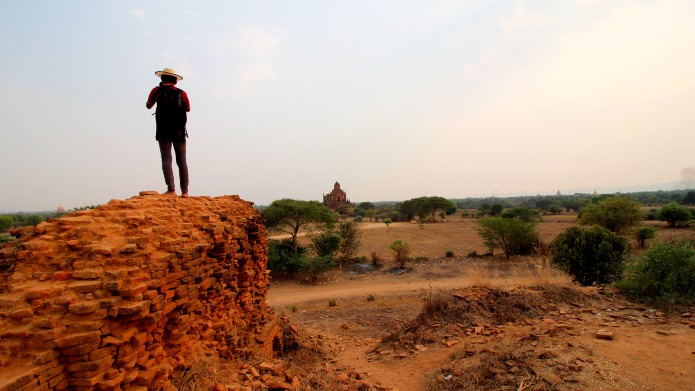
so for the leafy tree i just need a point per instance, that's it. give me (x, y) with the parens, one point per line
(689, 198)
(388, 224)
(496, 209)
(526, 214)
(665, 273)
(614, 213)
(350, 238)
(401, 248)
(590, 254)
(426, 207)
(675, 214)
(284, 258)
(514, 235)
(6, 223)
(325, 244)
(31, 220)
(363, 206)
(289, 216)
(642, 234)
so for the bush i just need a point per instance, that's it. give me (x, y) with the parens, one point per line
(6, 223)
(325, 244)
(642, 234)
(449, 254)
(526, 214)
(514, 236)
(32, 220)
(4, 238)
(591, 255)
(401, 248)
(615, 213)
(314, 267)
(675, 214)
(350, 239)
(663, 274)
(282, 260)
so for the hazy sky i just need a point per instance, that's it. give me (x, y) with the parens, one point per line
(394, 99)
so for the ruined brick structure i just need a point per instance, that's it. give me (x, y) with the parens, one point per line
(120, 296)
(336, 198)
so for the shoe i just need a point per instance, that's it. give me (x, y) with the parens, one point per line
(184, 195)
(170, 193)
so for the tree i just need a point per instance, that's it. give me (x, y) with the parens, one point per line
(514, 236)
(665, 274)
(526, 214)
(350, 239)
(401, 248)
(496, 209)
(31, 220)
(614, 213)
(289, 216)
(5, 223)
(674, 214)
(325, 244)
(642, 234)
(590, 254)
(388, 224)
(689, 198)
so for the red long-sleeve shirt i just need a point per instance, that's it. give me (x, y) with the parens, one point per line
(152, 99)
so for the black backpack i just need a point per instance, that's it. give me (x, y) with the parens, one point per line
(171, 110)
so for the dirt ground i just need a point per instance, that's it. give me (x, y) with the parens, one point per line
(518, 325)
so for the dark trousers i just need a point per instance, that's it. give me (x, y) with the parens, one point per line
(180, 150)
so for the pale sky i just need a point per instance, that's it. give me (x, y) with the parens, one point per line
(394, 99)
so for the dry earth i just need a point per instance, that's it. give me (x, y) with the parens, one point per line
(554, 342)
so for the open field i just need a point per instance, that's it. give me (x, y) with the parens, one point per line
(461, 235)
(512, 325)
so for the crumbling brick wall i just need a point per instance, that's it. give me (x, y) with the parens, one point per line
(122, 295)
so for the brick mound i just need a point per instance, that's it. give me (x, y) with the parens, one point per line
(120, 296)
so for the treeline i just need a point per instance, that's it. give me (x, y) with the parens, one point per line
(429, 208)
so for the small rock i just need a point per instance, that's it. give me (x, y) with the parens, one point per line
(603, 334)
(661, 332)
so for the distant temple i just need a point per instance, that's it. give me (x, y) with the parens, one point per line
(336, 197)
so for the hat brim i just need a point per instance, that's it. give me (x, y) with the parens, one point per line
(160, 73)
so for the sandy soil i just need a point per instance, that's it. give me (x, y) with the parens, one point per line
(557, 348)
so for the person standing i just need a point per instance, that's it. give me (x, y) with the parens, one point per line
(172, 106)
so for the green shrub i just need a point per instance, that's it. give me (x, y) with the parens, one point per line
(590, 254)
(513, 235)
(675, 214)
(350, 238)
(642, 234)
(401, 248)
(615, 213)
(526, 214)
(31, 220)
(4, 238)
(314, 267)
(6, 223)
(663, 274)
(325, 244)
(332, 302)
(282, 260)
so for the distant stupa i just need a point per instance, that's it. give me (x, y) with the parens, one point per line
(61, 208)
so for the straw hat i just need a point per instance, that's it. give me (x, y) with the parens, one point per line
(168, 72)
